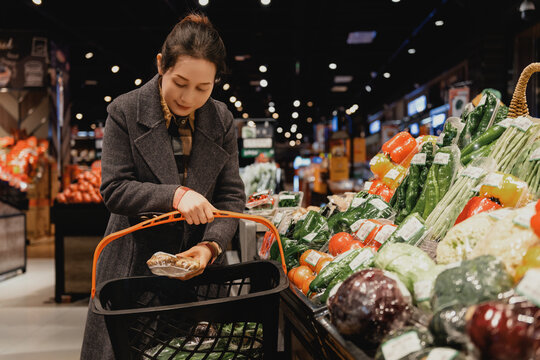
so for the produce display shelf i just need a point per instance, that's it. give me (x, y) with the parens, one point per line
(318, 338)
(13, 196)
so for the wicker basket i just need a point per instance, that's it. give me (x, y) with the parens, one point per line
(518, 105)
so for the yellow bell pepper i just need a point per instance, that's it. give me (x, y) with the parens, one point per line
(394, 176)
(380, 164)
(508, 189)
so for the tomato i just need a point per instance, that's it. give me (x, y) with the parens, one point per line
(322, 263)
(86, 198)
(338, 242)
(301, 274)
(354, 244)
(290, 274)
(61, 198)
(305, 285)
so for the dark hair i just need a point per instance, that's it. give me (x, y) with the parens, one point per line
(194, 36)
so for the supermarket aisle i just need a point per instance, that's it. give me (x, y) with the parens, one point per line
(33, 326)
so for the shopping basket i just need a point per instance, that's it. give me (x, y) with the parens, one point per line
(228, 312)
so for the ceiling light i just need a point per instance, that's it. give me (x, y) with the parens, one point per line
(343, 79)
(339, 89)
(386, 75)
(245, 115)
(332, 66)
(439, 23)
(309, 119)
(271, 103)
(138, 82)
(298, 136)
(354, 107)
(298, 142)
(348, 112)
(368, 88)
(107, 98)
(395, 1)
(226, 87)
(361, 37)
(203, 2)
(271, 109)
(232, 99)
(275, 115)
(238, 103)
(265, 2)
(294, 127)
(37, 2)
(251, 123)
(411, 51)
(292, 143)
(240, 108)
(79, 116)
(294, 115)
(89, 55)
(115, 69)
(242, 57)
(334, 112)
(287, 134)
(279, 130)
(296, 103)
(310, 103)
(263, 83)
(93, 126)
(263, 69)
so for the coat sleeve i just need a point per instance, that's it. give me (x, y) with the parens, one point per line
(229, 190)
(122, 193)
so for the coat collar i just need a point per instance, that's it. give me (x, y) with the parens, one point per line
(207, 157)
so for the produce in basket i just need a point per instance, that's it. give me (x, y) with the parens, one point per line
(471, 282)
(506, 330)
(402, 342)
(368, 305)
(164, 264)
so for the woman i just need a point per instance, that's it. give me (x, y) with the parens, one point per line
(168, 145)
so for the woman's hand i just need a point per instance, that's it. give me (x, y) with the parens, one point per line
(195, 208)
(201, 253)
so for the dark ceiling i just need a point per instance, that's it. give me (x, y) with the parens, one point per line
(295, 39)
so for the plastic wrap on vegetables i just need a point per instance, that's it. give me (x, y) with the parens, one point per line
(520, 132)
(438, 181)
(509, 239)
(290, 199)
(446, 212)
(527, 168)
(448, 326)
(507, 189)
(471, 282)
(460, 240)
(333, 269)
(291, 250)
(451, 132)
(370, 207)
(402, 342)
(399, 146)
(368, 305)
(531, 260)
(410, 231)
(437, 353)
(506, 330)
(477, 205)
(312, 223)
(472, 121)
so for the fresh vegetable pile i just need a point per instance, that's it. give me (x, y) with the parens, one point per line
(85, 189)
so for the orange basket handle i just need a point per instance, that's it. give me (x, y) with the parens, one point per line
(176, 216)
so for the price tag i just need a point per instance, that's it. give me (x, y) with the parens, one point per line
(365, 230)
(401, 346)
(367, 185)
(357, 202)
(410, 228)
(528, 286)
(278, 217)
(500, 214)
(287, 197)
(442, 354)
(309, 237)
(384, 233)
(441, 158)
(356, 225)
(392, 174)
(473, 172)
(313, 258)
(379, 204)
(522, 123)
(419, 159)
(535, 155)
(422, 290)
(440, 139)
(493, 179)
(482, 100)
(363, 256)
(506, 123)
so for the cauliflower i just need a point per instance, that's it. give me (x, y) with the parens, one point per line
(461, 239)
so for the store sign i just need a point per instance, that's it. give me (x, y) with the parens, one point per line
(417, 105)
(263, 143)
(458, 98)
(23, 60)
(251, 153)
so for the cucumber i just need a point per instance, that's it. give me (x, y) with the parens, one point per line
(330, 271)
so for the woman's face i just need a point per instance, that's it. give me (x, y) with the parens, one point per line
(188, 85)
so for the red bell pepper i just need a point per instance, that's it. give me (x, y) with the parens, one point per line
(385, 192)
(475, 206)
(399, 146)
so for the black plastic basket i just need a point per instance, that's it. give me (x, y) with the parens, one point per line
(228, 312)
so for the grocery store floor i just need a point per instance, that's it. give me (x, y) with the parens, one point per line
(32, 325)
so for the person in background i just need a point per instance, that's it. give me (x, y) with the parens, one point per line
(169, 146)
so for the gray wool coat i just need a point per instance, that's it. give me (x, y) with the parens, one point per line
(139, 179)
